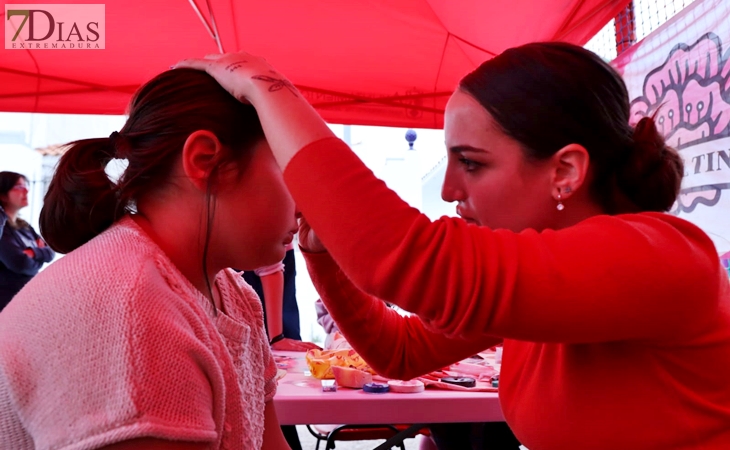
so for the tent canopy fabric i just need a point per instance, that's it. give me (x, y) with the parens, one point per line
(367, 62)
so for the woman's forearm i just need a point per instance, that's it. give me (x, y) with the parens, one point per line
(302, 124)
(394, 346)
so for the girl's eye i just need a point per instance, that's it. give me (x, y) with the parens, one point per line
(468, 164)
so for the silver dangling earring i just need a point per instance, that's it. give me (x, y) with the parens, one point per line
(560, 206)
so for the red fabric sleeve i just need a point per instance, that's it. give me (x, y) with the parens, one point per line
(642, 276)
(394, 346)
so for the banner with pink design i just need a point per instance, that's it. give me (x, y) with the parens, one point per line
(680, 74)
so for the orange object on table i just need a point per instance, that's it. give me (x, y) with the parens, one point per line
(320, 362)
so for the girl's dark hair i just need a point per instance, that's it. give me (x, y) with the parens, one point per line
(82, 201)
(549, 95)
(7, 181)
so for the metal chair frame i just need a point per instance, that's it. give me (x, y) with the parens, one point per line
(386, 432)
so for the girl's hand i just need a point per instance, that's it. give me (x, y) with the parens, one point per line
(241, 74)
(40, 243)
(308, 240)
(29, 253)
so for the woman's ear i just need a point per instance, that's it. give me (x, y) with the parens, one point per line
(571, 165)
(201, 152)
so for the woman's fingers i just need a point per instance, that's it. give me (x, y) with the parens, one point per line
(235, 72)
(224, 58)
(199, 64)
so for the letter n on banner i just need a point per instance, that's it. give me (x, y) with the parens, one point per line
(681, 73)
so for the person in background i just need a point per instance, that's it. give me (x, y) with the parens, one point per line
(22, 251)
(615, 316)
(276, 286)
(325, 320)
(141, 337)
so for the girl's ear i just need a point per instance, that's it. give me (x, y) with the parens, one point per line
(201, 152)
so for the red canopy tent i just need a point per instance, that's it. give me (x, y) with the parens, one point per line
(377, 62)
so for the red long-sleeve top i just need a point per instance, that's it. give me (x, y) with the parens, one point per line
(616, 330)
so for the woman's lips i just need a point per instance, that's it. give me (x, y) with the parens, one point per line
(460, 211)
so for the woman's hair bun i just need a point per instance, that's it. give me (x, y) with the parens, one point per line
(652, 172)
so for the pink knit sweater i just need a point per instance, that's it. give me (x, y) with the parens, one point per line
(112, 343)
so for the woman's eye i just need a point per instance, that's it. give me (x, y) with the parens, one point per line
(468, 164)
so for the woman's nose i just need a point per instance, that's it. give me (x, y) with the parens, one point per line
(450, 191)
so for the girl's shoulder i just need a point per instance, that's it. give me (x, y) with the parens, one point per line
(116, 264)
(121, 249)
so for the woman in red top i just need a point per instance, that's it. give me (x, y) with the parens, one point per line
(615, 317)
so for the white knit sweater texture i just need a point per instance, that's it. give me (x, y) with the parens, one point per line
(112, 342)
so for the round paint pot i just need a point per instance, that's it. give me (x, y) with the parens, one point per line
(460, 381)
(406, 387)
(375, 388)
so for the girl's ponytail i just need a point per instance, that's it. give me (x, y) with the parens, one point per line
(81, 201)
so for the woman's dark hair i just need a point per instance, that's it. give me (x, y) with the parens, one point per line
(82, 201)
(549, 95)
(7, 181)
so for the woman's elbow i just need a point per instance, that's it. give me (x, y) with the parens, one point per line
(397, 369)
(392, 371)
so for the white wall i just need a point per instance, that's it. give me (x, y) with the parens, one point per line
(433, 206)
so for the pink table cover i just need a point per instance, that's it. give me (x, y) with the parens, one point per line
(299, 400)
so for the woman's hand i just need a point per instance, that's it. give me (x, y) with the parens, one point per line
(241, 74)
(290, 123)
(308, 240)
(292, 345)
